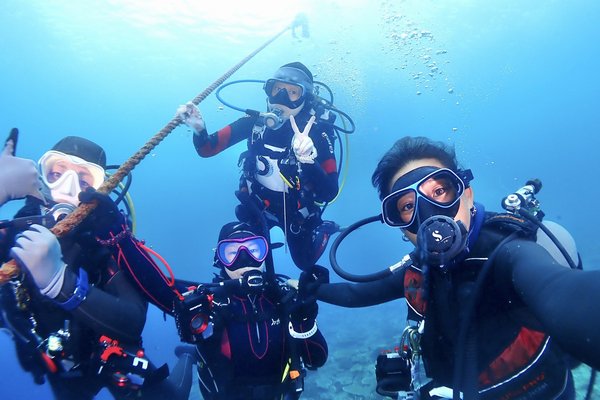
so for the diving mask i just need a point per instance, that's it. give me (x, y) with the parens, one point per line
(423, 193)
(67, 175)
(291, 95)
(244, 252)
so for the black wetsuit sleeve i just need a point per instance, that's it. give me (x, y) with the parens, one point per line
(323, 174)
(363, 294)
(566, 301)
(209, 145)
(314, 350)
(116, 310)
(143, 272)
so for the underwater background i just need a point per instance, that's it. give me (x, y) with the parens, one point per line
(513, 84)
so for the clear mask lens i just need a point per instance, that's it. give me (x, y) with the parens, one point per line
(56, 167)
(229, 250)
(288, 94)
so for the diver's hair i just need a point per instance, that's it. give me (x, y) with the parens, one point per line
(408, 149)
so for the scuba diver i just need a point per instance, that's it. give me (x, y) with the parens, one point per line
(253, 335)
(75, 318)
(290, 163)
(491, 311)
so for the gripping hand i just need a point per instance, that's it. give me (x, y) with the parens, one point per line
(18, 176)
(105, 218)
(302, 144)
(306, 300)
(38, 250)
(190, 115)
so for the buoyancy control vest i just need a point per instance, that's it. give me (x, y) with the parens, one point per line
(243, 357)
(270, 165)
(514, 356)
(272, 174)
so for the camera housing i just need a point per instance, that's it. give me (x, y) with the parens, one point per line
(193, 315)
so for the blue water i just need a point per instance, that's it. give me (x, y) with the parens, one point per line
(513, 85)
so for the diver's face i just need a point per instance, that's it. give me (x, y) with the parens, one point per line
(466, 200)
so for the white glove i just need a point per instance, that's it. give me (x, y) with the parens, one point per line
(18, 176)
(190, 115)
(302, 144)
(38, 250)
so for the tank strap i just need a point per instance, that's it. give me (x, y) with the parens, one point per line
(511, 223)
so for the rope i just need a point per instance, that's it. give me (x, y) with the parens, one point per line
(11, 270)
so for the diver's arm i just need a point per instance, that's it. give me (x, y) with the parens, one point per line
(323, 174)
(209, 145)
(116, 310)
(143, 272)
(363, 294)
(564, 300)
(305, 333)
(314, 350)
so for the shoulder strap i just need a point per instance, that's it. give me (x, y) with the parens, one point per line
(507, 222)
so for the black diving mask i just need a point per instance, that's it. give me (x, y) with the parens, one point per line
(288, 94)
(423, 193)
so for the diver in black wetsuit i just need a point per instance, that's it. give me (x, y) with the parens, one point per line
(253, 339)
(496, 313)
(75, 317)
(290, 163)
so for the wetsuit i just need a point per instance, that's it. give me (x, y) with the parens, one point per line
(529, 306)
(272, 178)
(248, 355)
(112, 310)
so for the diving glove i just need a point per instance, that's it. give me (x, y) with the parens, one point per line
(18, 176)
(105, 218)
(190, 115)
(38, 250)
(302, 144)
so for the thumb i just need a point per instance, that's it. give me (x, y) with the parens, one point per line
(38, 195)
(8, 148)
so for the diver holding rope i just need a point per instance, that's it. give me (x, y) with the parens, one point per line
(289, 168)
(495, 309)
(75, 318)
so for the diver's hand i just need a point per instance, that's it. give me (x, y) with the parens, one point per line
(304, 312)
(38, 250)
(305, 307)
(105, 218)
(309, 282)
(190, 115)
(18, 176)
(302, 144)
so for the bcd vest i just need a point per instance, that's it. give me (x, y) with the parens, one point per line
(515, 358)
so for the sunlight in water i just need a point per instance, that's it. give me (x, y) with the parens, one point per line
(161, 18)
